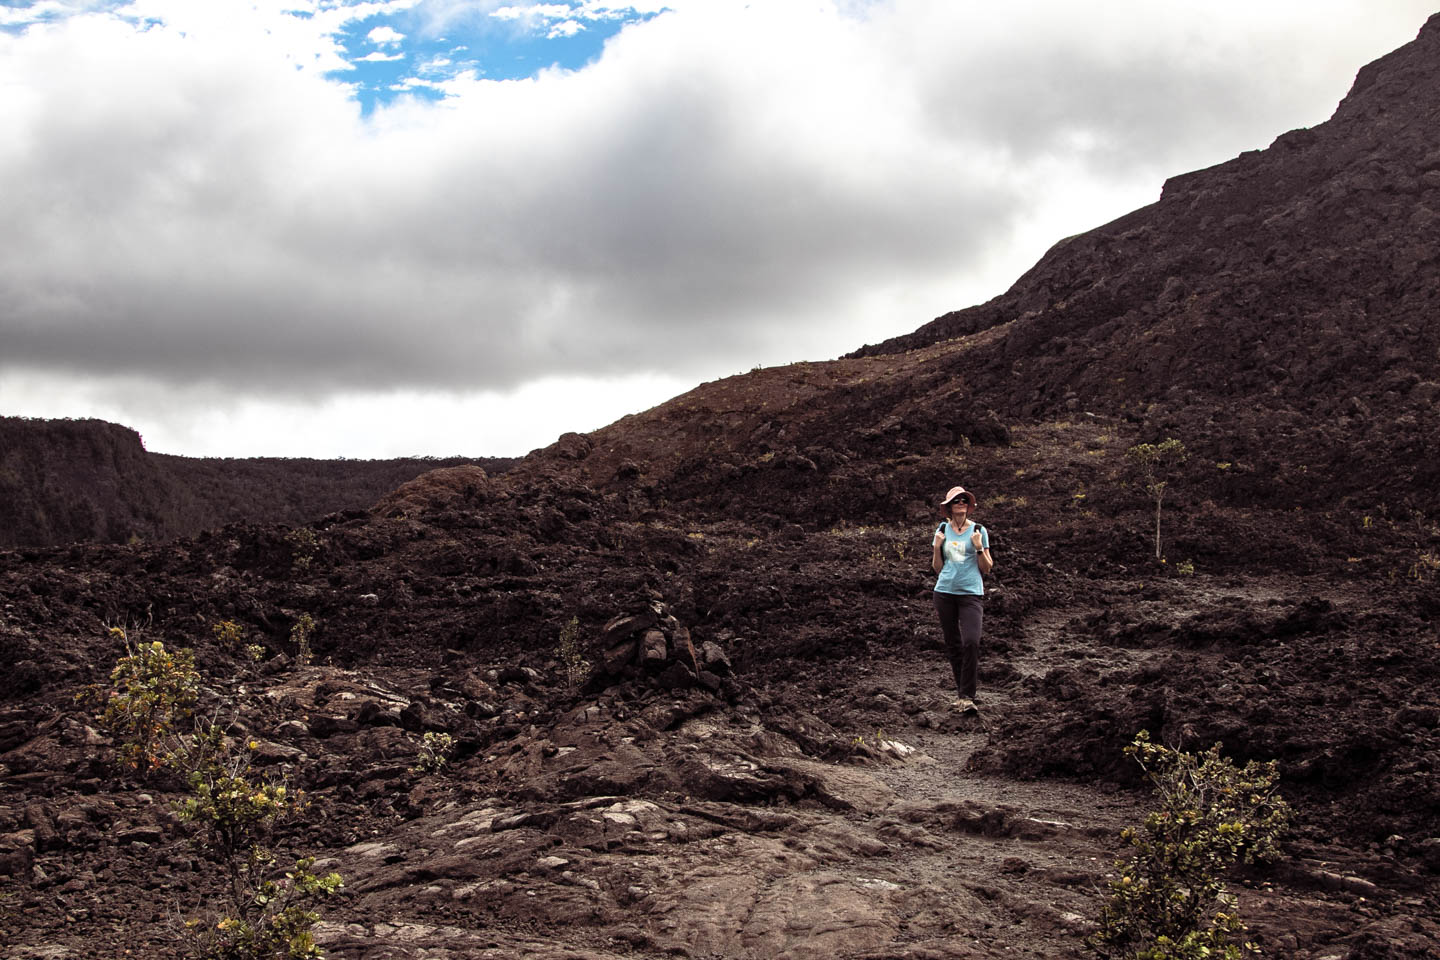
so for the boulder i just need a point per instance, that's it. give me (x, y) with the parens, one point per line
(373, 714)
(323, 726)
(676, 676)
(684, 648)
(714, 659)
(620, 655)
(17, 853)
(419, 716)
(627, 624)
(653, 648)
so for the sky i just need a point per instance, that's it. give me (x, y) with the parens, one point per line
(381, 228)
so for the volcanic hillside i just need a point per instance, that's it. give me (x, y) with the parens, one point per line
(1279, 312)
(689, 663)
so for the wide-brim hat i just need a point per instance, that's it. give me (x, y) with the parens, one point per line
(961, 492)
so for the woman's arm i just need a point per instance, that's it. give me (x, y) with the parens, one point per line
(982, 553)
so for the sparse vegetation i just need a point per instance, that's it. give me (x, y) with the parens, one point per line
(150, 691)
(300, 632)
(236, 813)
(1155, 461)
(572, 655)
(435, 750)
(230, 635)
(1169, 900)
(281, 927)
(303, 544)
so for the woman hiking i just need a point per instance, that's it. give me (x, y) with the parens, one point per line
(961, 557)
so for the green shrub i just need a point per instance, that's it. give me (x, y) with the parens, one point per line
(280, 923)
(1169, 900)
(236, 814)
(229, 634)
(150, 691)
(435, 750)
(300, 632)
(303, 545)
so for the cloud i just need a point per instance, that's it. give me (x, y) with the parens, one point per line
(202, 209)
(565, 28)
(534, 11)
(385, 36)
(378, 57)
(386, 423)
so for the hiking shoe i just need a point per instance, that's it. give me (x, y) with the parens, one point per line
(964, 705)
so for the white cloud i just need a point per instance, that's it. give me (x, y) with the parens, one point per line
(565, 28)
(385, 36)
(378, 57)
(534, 11)
(203, 209)
(392, 423)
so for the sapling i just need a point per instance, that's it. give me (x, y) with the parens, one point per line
(577, 668)
(229, 634)
(1155, 460)
(303, 544)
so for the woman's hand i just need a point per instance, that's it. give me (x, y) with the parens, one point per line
(977, 541)
(939, 538)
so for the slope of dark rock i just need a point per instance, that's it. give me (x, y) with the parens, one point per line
(1291, 294)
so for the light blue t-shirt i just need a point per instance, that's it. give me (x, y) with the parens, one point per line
(961, 573)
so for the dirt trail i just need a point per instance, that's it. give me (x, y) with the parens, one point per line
(1046, 882)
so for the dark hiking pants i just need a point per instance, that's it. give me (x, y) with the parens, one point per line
(961, 617)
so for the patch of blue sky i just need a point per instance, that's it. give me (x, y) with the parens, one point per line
(411, 47)
(16, 15)
(413, 52)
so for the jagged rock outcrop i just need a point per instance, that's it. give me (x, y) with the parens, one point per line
(652, 645)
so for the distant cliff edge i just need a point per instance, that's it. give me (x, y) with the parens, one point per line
(63, 481)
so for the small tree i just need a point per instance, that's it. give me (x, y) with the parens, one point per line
(151, 690)
(1169, 900)
(1155, 462)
